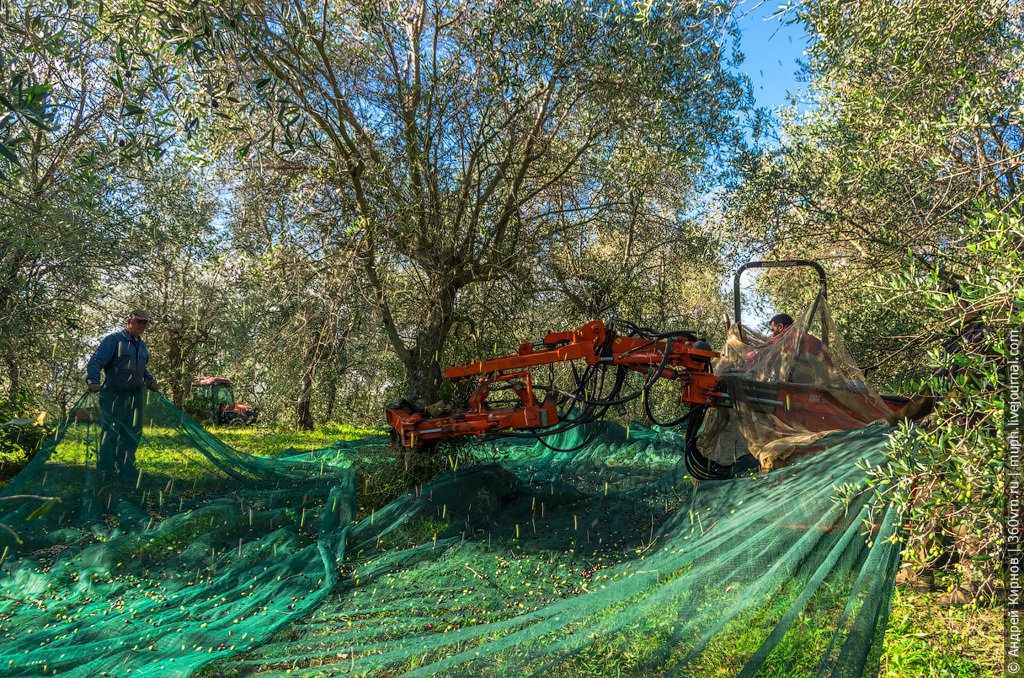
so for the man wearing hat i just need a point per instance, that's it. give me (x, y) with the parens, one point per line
(123, 358)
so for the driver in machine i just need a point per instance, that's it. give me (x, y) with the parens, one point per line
(782, 322)
(783, 342)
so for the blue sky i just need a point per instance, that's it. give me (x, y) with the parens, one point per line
(772, 49)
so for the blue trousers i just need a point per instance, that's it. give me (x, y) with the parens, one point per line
(122, 429)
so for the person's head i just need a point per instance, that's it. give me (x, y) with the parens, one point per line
(779, 323)
(138, 321)
(961, 312)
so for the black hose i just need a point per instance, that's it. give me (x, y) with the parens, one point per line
(598, 370)
(667, 424)
(570, 424)
(702, 468)
(625, 399)
(564, 427)
(578, 447)
(650, 333)
(699, 466)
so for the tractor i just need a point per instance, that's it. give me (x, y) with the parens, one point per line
(779, 387)
(212, 399)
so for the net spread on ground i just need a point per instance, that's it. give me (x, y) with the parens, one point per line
(608, 559)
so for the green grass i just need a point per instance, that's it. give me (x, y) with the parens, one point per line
(927, 638)
(162, 446)
(270, 441)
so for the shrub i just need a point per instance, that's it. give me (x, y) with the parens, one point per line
(948, 472)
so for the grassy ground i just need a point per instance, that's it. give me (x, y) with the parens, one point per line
(273, 441)
(926, 636)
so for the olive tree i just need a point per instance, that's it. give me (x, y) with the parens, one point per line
(916, 123)
(71, 118)
(446, 130)
(906, 179)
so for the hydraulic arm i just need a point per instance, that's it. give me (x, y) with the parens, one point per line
(678, 356)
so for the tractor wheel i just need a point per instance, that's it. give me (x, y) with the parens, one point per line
(236, 421)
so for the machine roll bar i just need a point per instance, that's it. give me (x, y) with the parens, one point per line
(785, 263)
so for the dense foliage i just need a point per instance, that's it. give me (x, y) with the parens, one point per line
(913, 127)
(906, 179)
(329, 216)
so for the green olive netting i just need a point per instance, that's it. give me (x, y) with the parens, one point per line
(607, 560)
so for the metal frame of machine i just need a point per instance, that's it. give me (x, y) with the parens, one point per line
(679, 356)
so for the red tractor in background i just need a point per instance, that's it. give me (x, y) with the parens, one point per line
(212, 398)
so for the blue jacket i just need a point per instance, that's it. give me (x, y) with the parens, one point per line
(122, 358)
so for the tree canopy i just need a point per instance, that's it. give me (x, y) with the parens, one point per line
(373, 172)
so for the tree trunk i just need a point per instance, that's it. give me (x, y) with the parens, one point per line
(303, 411)
(8, 306)
(176, 372)
(332, 396)
(425, 373)
(13, 373)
